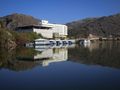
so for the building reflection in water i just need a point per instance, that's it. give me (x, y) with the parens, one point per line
(26, 58)
(52, 55)
(100, 53)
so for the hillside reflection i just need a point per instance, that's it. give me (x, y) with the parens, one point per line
(100, 53)
(27, 58)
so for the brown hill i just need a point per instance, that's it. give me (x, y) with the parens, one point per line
(107, 26)
(15, 20)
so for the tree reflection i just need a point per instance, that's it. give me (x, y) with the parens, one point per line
(9, 59)
(26, 58)
(100, 53)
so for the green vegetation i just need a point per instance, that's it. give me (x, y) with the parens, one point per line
(6, 39)
(7, 29)
(9, 38)
(21, 37)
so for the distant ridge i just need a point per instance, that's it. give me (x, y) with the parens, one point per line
(106, 26)
(15, 20)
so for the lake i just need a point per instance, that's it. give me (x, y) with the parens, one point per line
(94, 66)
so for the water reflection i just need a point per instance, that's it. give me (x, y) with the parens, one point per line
(26, 58)
(98, 53)
(44, 58)
(69, 73)
(6, 58)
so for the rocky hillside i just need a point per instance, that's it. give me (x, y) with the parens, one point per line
(15, 20)
(107, 26)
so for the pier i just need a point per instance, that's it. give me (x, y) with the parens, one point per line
(46, 43)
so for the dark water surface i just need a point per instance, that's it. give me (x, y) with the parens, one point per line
(81, 67)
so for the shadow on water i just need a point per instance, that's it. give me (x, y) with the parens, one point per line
(99, 53)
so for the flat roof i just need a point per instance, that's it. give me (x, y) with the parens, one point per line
(33, 26)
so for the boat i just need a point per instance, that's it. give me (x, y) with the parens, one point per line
(41, 42)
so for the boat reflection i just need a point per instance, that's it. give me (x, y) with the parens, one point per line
(100, 53)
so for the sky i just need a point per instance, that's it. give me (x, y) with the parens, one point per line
(60, 11)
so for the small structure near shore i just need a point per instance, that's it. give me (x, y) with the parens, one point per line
(85, 42)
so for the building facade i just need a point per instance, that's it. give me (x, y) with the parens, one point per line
(46, 29)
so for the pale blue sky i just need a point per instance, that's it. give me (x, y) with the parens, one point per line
(60, 11)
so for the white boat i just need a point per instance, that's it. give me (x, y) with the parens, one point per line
(41, 42)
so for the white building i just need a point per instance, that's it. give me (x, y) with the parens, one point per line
(46, 29)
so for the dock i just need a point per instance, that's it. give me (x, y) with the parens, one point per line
(45, 43)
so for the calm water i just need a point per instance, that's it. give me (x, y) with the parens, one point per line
(81, 67)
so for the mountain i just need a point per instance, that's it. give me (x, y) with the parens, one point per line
(106, 26)
(15, 20)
